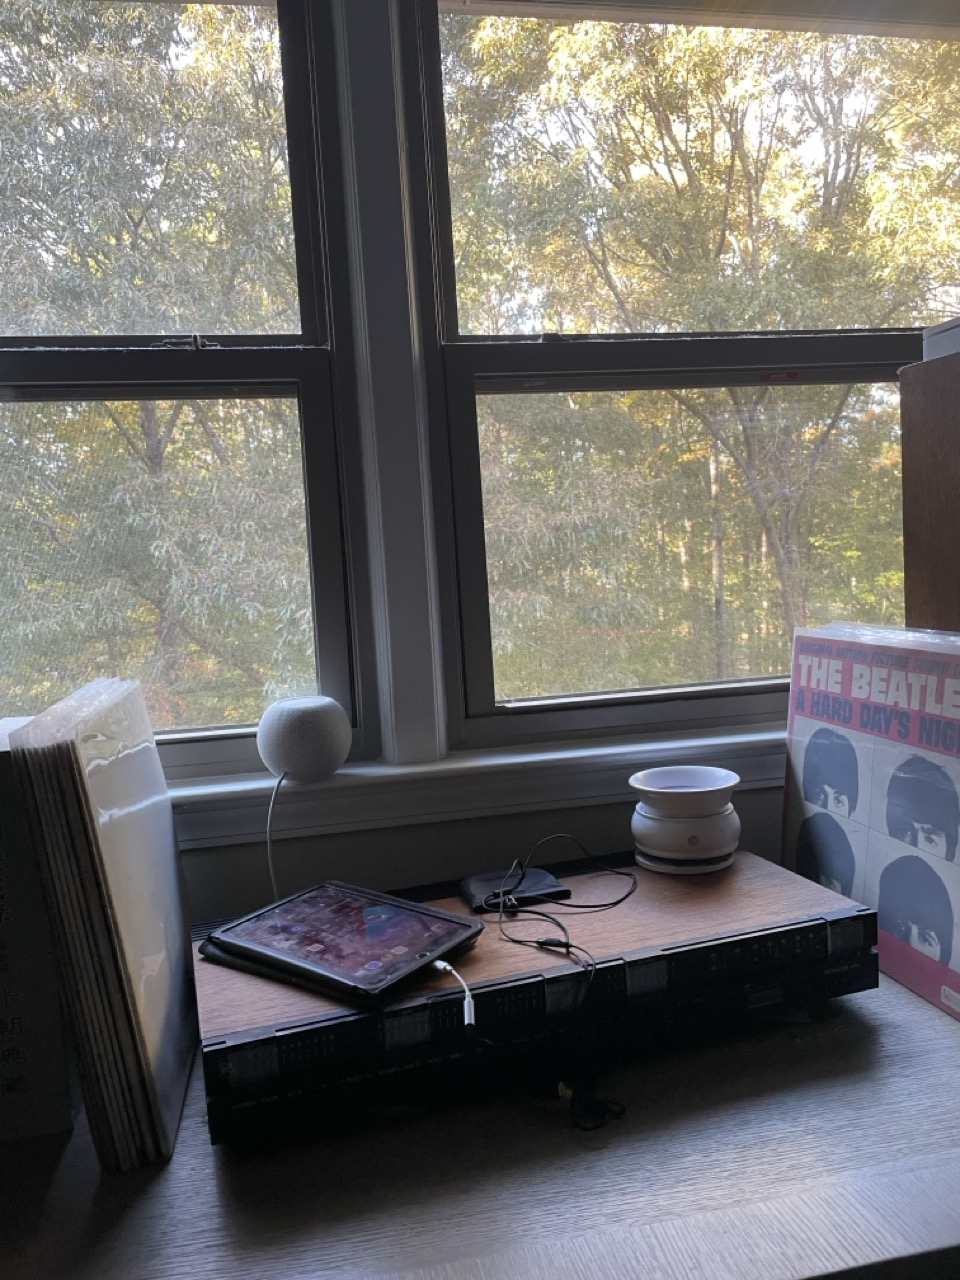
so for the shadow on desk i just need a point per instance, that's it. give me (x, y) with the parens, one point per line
(451, 1146)
(28, 1167)
(797, 1149)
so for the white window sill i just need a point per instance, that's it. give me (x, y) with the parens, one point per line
(233, 809)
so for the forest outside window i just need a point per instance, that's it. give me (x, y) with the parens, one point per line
(146, 184)
(660, 559)
(165, 538)
(647, 177)
(166, 417)
(661, 505)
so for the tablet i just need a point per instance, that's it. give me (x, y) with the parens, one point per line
(349, 941)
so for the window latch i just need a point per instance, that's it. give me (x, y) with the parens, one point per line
(192, 343)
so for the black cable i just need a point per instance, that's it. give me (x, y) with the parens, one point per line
(567, 904)
(587, 1111)
(572, 950)
(504, 903)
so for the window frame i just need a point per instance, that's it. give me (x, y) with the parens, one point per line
(315, 366)
(461, 367)
(416, 712)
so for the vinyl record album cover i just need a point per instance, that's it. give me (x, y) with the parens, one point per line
(103, 827)
(873, 780)
(35, 1092)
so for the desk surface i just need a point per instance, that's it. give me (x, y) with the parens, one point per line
(665, 911)
(800, 1149)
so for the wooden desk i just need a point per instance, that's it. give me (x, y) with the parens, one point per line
(797, 1150)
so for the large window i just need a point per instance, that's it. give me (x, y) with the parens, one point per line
(169, 473)
(511, 370)
(681, 264)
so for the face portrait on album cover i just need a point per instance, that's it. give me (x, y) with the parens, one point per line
(831, 772)
(915, 799)
(831, 852)
(922, 806)
(918, 899)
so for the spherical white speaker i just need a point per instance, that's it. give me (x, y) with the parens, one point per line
(305, 738)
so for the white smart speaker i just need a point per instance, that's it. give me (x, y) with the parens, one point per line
(304, 739)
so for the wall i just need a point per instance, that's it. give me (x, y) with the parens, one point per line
(223, 882)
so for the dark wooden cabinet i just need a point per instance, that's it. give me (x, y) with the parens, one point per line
(930, 420)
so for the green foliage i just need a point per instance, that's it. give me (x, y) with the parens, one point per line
(144, 183)
(628, 177)
(144, 189)
(614, 177)
(158, 539)
(625, 547)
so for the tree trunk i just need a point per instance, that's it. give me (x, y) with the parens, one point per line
(717, 565)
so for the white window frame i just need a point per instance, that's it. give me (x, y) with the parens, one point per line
(439, 761)
(418, 756)
(313, 366)
(462, 367)
(434, 765)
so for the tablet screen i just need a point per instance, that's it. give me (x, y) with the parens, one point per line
(350, 936)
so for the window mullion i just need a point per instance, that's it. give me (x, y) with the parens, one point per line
(390, 385)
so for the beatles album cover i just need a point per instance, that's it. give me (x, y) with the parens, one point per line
(873, 779)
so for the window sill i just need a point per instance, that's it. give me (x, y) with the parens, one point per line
(233, 810)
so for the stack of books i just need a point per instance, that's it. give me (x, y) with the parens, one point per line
(102, 825)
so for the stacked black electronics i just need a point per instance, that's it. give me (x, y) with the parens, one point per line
(333, 1063)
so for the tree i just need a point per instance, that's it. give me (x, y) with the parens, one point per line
(640, 178)
(162, 539)
(144, 190)
(145, 185)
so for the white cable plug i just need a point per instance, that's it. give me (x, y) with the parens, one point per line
(468, 1016)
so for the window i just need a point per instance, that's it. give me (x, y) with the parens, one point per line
(169, 470)
(165, 537)
(653, 537)
(681, 263)
(514, 371)
(147, 186)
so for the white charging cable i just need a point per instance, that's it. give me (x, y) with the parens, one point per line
(468, 1018)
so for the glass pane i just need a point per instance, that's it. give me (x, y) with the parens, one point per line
(613, 177)
(646, 538)
(143, 170)
(158, 539)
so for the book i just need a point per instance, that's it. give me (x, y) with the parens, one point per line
(873, 777)
(103, 829)
(35, 1084)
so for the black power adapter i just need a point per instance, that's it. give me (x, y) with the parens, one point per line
(484, 890)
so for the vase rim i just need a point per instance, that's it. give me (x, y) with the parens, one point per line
(688, 778)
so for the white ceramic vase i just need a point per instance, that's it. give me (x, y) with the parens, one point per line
(684, 822)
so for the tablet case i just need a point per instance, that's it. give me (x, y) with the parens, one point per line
(265, 962)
